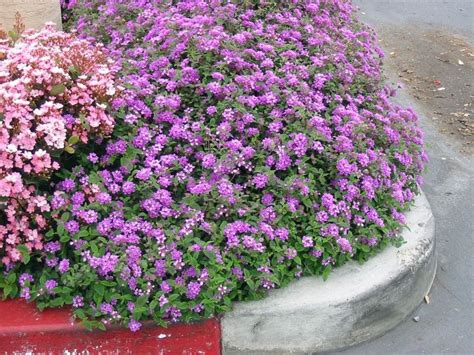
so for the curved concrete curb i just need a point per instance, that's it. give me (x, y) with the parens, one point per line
(356, 303)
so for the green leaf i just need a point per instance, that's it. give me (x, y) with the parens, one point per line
(94, 249)
(141, 301)
(88, 324)
(73, 70)
(11, 278)
(14, 35)
(73, 140)
(83, 233)
(57, 302)
(80, 313)
(61, 229)
(58, 89)
(26, 258)
(108, 283)
(99, 289)
(25, 253)
(153, 305)
(7, 290)
(326, 272)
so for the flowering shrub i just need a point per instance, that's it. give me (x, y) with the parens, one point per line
(257, 146)
(54, 91)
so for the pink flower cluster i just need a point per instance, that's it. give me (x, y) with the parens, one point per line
(54, 94)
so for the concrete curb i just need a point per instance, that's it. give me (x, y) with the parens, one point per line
(356, 303)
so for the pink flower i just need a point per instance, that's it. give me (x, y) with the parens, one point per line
(35, 72)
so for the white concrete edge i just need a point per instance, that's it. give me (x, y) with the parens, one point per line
(331, 313)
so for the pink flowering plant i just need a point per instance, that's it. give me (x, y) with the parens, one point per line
(54, 93)
(257, 144)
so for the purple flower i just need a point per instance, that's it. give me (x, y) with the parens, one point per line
(103, 198)
(78, 198)
(93, 158)
(225, 189)
(307, 241)
(50, 284)
(25, 293)
(89, 216)
(163, 300)
(345, 245)
(173, 314)
(260, 181)
(133, 254)
(345, 168)
(78, 301)
(363, 159)
(291, 253)
(194, 288)
(52, 247)
(201, 188)
(211, 110)
(72, 227)
(208, 161)
(267, 199)
(52, 262)
(63, 266)
(268, 214)
(24, 278)
(128, 188)
(283, 162)
(282, 233)
(106, 308)
(67, 185)
(57, 202)
(69, 119)
(134, 326)
(143, 174)
(165, 287)
(104, 264)
(322, 216)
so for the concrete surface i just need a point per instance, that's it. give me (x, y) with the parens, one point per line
(34, 12)
(436, 66)
(356, 303)
(445, 325)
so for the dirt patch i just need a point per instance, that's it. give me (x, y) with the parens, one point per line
(438, 69)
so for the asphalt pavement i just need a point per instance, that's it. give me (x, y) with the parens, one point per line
(445, 324)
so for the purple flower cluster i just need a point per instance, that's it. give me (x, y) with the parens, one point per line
(257, 145)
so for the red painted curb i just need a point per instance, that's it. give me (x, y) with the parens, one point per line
(25, 329)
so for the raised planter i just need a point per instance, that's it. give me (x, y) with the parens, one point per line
(23, 329)
(356, 303)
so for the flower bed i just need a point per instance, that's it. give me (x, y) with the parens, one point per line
(54, 89)
(254, 143)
